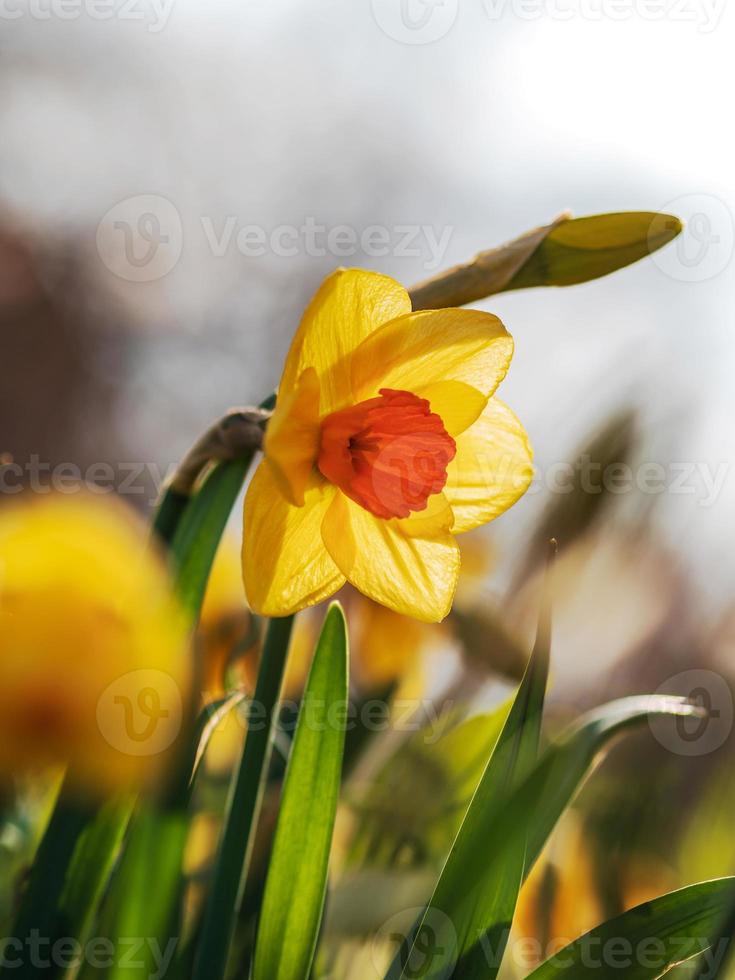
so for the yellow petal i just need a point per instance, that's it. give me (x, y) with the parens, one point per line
(285, 564)
(457, 404)
(434, 520)
(414, 576)
(292, 437)
(349, 306)
(421, 349)
(492, 469)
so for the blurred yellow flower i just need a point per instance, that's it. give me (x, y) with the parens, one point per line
(94, 661)
(560, 900)
(384, 646)
(227, 636)
(385, 443)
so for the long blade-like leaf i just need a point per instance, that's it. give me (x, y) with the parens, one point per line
(246, 793)
(91, 869)
(147, 891)
(646, 941)
(524, 821)
(532, 813)
(560, 772)
(297, 877)
(464, 914)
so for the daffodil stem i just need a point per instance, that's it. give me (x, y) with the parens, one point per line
(231, 866)
(169, 514)
(38, 914)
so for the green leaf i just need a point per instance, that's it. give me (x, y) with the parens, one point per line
(415, 803)
(92, 866)
(146, 892)
(533, 811)
(458, 914)
(231, 864)
(297, 876)
(38, 912)
(209, 719)
(560, 772)
(200, 529)
(525, 820)
(566, 252)
(646, 941)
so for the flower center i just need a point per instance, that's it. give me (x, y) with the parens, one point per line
(389, 454)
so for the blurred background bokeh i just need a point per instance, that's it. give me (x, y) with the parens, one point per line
(177, 177)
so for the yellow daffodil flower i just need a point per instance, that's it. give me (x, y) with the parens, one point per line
(386, 442)
(94, 661)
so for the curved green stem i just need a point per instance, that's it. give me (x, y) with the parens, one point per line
(234, 852)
